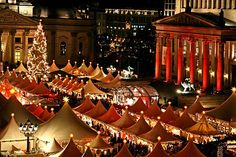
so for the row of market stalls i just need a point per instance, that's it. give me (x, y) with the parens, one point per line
(81, 135)
(131, 124)
(182, 125)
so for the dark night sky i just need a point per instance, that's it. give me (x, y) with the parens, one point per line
(141, 4)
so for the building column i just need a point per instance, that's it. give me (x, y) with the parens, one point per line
(233, 4)
(199, 4)
(168, 59)
(219, 80)
(24, 46)
(74, 52)
(192, 61)
(53, 45)
(12, 52)
(1, 52)
(158, 58)
(180, 61)
(205, 67)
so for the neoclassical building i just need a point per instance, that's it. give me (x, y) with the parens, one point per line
(199, 46)
(69, 36)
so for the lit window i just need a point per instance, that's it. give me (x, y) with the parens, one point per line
(17, 54)
(63, 48)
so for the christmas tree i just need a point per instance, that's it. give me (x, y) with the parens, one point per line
(36, 61)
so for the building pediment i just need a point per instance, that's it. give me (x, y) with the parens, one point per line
(186, 19)
(9, 17)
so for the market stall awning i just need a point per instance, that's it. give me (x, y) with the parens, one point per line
(55, 147)
(156, 131)
(184, 121)
(158, 151)
(140, 127)
(153, 110)
(202, 127)
(125, 121)
(70, 150)
(110, 116)
(189, 150)
(85, 106)
(226, 111)
(97, 111)
(55, 127)
(53, 67)
(169, 115)
(138, 106)
(124, 152)
(196, 107)
(99, 143)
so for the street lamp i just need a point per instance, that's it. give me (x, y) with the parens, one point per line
(28, 129)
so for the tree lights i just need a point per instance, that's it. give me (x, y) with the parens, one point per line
(36, 61)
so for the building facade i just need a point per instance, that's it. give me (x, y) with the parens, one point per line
(68, 36)
(199, 46)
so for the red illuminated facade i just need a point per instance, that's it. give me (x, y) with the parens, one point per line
(199, 46)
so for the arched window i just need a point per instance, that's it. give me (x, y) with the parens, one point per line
(63, 48)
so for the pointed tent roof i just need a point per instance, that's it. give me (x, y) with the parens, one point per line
(183, 122)
(88, 153)
(70, 150)
(21, 68)
(100, 75)
(53, 127)
(97, 111)
(90, 88)
(140, 127)
(31, 86)
(41, 89)
(77, 86)
(85, 106)
(67, 68)
(96, 71)
(99, 143)
(55, 147)
(196, 107)
(55, 80)
(90, 69)
(110, 116)
(53, 67)
(7, 74)
(24, 83)
(108, 78)
(189, 150)
(18, 80)
(113, 84)
(124, 152)
(3, 100)
(45, 115)
(138, 106)
(202, 127)
(156, 131)
(226, 111)
(21, 114)
(168, 115)
(65, 82)
(83, 68)
(69, 85)
(13, 76)
(153, 110)
(11, 131)
(125, 121)
(158, 151)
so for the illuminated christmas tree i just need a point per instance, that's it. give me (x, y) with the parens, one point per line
(36, 61)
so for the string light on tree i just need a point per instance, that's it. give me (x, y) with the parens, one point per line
(36, 61)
